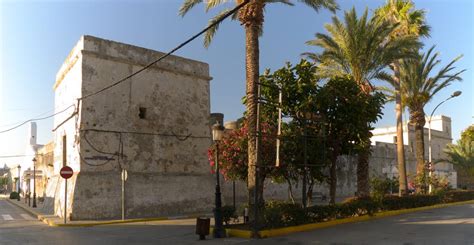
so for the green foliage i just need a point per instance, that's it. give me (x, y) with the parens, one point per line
(299, 86)
(14, 195)
(383, 186)
(411, 201)
(418, 87)
(358, 47)
(233, 152)
(461, 154)
(228, 213)
(457, 196)
(468, 134)
(3, 181)
(282, 214)
(211, 4)
(409, 21)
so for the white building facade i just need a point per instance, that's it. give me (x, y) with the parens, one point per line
(441, 135)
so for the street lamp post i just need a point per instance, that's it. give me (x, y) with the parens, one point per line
(34, 182)
(217, 133)
(19, 182)
(455, 94)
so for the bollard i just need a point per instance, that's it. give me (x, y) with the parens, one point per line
(202, 227)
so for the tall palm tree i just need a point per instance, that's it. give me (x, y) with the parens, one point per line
(410, 22)
(359, 48)
(251, 18)
(417, 88)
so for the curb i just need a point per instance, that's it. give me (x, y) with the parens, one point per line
(51, 223)
(315, 226)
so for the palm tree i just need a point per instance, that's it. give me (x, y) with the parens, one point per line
(410, 22)
(461, 154)
(417, 88)
(359, 48)
(251, 18)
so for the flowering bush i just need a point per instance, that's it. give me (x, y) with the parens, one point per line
(233, 156)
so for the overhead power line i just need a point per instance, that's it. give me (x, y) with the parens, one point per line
(35, 119)
(170, 52)
(142, 69)
(15, 156)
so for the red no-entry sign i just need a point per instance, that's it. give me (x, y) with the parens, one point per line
(66, 172)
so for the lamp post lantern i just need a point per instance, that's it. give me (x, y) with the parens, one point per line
(217, 133)
(34, 182)
(455, 94)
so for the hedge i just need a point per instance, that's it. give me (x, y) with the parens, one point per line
(14, 195)
(281, 214)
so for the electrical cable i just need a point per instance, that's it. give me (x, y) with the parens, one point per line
(13, 156)
(170, 52)
(177, 136)
(95, 148)
(35, 119)
(17, 122)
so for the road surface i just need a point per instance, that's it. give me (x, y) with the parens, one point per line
(451, 225)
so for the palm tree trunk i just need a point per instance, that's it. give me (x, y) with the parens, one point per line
(420, 157)
(252, 75)
(402, 172)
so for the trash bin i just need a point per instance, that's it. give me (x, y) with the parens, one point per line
(202, 227)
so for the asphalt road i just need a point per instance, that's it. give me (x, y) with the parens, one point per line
(452, 225)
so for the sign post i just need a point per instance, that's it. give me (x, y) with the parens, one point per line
(66, 172)
(124, 178)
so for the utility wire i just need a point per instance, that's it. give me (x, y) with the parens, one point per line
(13, 156)
(17, 122)
(142, 69)
(35, 119)
(170, 52)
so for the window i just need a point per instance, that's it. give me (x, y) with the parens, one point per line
(142, 112)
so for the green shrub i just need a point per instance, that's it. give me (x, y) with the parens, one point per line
(412, 201)
(457, 196)
(359, 206)
(320, 213)
(383, 186)
(14, 195)
(228, 213)
(281, 214)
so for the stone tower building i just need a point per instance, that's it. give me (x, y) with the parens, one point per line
(154, 125)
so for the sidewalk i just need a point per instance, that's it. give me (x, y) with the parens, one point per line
(54, 220)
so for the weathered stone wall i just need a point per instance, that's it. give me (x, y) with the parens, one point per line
(154, 125)
(382, 163)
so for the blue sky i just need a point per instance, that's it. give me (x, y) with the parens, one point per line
(36, 37)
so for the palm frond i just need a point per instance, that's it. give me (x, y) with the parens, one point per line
(209, 35)
(418, 86)
(214, 3)
(287, 2)
(188, 5)
(318, 4)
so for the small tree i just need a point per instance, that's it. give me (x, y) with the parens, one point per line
(347, 111)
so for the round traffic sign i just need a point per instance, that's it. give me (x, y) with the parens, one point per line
(66, 172)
